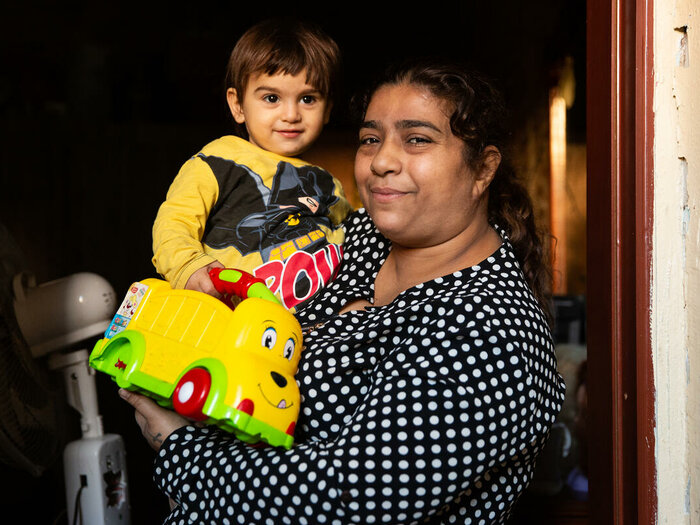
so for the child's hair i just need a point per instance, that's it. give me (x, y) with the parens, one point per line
(287, 46)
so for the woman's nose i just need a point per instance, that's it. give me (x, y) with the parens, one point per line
(385, 161)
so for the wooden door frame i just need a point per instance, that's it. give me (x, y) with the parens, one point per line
(620, 134)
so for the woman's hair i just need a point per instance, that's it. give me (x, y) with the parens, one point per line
(478, 118)
(287, 46)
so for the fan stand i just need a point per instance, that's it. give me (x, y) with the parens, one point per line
(95, 464)
(59, 315)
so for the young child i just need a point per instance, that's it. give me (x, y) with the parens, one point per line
(245, 201)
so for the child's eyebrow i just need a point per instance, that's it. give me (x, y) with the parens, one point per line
(309, 91)
(265, 88)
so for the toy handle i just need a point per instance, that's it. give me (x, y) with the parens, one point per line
(229, 281)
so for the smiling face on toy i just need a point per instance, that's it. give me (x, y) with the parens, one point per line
(266, 356)
(280, 346)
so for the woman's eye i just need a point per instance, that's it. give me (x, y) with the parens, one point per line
(272, 99)
(269, 338)
(419, 140)
(366, 141)
(289, 349)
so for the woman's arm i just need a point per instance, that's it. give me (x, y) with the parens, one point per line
(156, 423)
(419, 441)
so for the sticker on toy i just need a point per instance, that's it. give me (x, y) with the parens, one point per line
(127, 309)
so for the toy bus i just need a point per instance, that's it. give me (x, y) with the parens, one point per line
(211, 361)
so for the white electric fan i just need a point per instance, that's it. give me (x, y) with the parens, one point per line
(55, 318)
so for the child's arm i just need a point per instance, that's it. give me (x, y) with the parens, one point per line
(201, 281)
(180, 224)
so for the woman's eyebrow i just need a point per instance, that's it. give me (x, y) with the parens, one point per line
(403, 124)
(407, 124)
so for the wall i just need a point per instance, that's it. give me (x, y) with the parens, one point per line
(676, 260)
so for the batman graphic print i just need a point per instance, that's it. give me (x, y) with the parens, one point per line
(296, 204)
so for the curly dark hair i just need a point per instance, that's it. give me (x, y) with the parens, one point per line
(478, 118)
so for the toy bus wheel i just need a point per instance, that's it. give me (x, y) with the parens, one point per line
(191, 393)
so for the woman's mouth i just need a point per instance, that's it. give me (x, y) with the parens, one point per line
(386, 194)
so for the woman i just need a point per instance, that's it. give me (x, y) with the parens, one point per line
(428, 377)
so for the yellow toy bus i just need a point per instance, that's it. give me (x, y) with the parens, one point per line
(192, 352)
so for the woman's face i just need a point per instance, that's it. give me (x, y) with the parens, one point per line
(411, 170)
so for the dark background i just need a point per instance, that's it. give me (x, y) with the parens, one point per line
(100, 104)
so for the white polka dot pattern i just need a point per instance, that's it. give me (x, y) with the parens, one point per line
(431, 409)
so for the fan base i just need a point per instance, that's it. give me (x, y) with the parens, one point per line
(96, 481)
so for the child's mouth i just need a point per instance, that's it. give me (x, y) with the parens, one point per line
(289, 133)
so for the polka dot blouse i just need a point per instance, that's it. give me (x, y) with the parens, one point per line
(431, 409)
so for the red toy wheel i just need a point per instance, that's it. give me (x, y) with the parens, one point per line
(191, 393)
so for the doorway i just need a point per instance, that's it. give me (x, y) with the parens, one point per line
(620, 215)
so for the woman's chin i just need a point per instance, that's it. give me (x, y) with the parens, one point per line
(388, 224)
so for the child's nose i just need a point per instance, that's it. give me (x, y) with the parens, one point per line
(291, 112)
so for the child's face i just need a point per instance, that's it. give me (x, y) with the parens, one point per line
(282, 113)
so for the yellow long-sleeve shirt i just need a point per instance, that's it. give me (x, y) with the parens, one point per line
(273, 216)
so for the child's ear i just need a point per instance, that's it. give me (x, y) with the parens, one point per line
(235, 105)
(327, 112)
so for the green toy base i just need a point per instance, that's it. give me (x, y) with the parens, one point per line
(245, 427)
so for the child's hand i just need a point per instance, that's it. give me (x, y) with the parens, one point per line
(201, 281)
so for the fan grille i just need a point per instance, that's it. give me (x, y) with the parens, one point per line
(30, 418)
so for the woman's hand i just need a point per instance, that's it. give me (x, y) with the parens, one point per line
(156, 422)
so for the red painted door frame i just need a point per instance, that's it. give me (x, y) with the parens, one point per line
(620, 218)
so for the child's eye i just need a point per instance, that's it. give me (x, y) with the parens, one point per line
(308, 99)
(272, 99)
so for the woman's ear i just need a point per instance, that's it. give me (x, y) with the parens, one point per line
(490, 160)
(235, 105)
